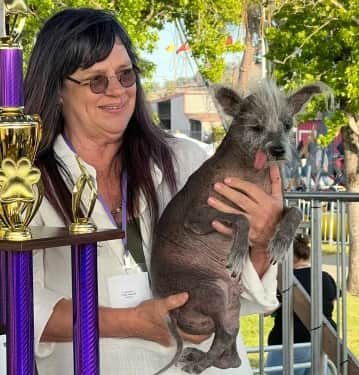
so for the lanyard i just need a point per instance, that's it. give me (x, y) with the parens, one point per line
(124, 212)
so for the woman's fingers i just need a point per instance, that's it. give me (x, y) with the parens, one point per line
(160, 332)
(194, 339)
(241, 200)
(276, 182)
(175, 301)
(221, 228)
(262, 210)
(152, 315)
(222, 206)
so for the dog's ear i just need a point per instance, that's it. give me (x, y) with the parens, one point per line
(228, 99)
(299, 98)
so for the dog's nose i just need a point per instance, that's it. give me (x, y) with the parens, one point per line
(277, 151)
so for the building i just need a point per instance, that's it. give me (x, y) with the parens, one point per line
(191, 112)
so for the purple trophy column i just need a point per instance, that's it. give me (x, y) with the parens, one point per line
(19, 293)
(11, 88)
(3, 259)
(10, 96)
(85, 309)
(20, 314)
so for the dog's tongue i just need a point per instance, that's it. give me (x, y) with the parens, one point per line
(261, 159)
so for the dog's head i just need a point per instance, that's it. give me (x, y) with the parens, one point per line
(262, 121)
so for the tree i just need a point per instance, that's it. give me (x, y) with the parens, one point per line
(251, 15)
(136, 16)
(203, 24)
(311, 40)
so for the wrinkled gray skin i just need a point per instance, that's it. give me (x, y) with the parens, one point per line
(189, 255)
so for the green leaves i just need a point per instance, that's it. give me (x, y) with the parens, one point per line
(316, 40)
(205, 24)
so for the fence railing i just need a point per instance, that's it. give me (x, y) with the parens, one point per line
(325, 219)
(304, 365)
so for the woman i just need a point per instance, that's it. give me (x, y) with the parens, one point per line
(83, 80)
(301, 269)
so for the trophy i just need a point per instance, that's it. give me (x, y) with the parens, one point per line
(21, 190)
(20, 194)
(81, 222)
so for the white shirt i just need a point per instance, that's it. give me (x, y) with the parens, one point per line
(52, 281)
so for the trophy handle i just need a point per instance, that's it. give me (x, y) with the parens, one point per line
(17, 10)
(37, 203)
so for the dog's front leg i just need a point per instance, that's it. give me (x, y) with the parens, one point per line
(240, 245)
(199, 221)
(284, 233)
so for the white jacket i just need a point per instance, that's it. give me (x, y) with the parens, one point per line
(52, 280)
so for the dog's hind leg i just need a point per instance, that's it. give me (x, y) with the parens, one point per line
(225, 314)
(229, 356)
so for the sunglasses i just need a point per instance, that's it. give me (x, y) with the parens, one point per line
(99, 83)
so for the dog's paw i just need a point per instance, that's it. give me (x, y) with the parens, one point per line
(190, 361)
(234, 264)
(278, 247)
(229, 359)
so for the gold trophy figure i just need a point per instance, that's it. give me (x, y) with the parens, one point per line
(81, 222)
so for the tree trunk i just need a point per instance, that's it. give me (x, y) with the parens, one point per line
(352, 182)
(251, 25)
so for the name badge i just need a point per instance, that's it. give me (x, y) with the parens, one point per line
(129, 290)
(2, 354)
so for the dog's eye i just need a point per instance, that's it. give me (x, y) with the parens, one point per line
(256, 128)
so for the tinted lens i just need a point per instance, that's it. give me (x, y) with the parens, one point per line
(127, 77)
(99, 84)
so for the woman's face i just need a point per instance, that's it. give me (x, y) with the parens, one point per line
(100, 117)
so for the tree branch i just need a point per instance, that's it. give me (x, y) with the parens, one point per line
(339, 5)
(151, 13)
(354, 126)
(293, 54)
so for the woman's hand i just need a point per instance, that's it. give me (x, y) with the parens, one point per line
(151, 320)
(262, 210)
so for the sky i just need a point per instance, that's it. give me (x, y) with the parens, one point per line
(172, 65)
(169, 64)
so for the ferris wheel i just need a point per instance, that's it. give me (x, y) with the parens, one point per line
(181, 63)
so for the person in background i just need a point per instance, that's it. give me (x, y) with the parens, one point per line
(84, 80)
(301, 270)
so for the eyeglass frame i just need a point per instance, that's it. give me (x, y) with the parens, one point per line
(88, 81)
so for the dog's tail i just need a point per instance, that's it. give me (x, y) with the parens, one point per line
(172, 326)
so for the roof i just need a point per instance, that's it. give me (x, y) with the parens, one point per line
(164, 96)
(204, 117)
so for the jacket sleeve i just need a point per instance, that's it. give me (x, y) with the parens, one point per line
(44, 298)
(259, 295)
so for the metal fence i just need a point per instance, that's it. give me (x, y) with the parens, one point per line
(325, 220)
(332, 370)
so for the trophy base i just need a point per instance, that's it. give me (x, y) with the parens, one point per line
(82, 228)
(17, 235)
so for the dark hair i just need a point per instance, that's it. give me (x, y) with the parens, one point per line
(301, 246)
(79, 38)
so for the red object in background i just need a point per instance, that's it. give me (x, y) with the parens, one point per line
(183, 48)
(305, 129)
(229, 40)
(339, 163)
